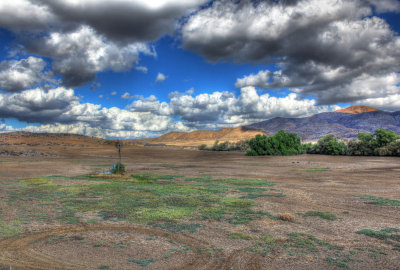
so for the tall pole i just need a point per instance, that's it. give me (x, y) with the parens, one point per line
(119, 153)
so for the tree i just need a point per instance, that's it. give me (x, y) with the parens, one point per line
(365, 146)
(280, 144)
(384, 137)
(330, 145)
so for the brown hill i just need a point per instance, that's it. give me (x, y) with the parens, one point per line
(356, 109)
(198, 137)
(20, 138)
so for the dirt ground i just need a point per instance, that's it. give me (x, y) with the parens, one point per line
(309, 182)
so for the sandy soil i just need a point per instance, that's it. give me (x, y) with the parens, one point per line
(333, 190)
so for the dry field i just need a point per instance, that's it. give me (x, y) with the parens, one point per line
(189, 209)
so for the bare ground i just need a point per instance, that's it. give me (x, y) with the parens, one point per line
(54, 245)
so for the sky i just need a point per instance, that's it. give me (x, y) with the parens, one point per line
(137, 69)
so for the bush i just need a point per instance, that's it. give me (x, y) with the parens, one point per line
(381, 143)
(281, 144)
(329, 145)
(363, 147)
(392, 149)
(286, 217)
(384, 137)
(203, 147)
(118, 168)
(242, 146)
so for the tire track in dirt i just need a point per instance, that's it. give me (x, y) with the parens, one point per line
(18, 252)
(241, 259)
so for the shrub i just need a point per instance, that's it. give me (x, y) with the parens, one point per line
(203, 147)
(242, 146)
(329, 145)
(381, 143)
(118, 168)
(384, 137)
(286, 217)
(392, 149)
(280, 144)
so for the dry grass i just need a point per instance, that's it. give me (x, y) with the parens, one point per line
(286, 217)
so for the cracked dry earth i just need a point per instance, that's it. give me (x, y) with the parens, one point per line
(334, 185)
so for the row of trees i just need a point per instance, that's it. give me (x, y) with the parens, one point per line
(381, 143)
(227, 146)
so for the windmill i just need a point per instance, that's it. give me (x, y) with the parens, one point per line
(118, 167)
(119, 145)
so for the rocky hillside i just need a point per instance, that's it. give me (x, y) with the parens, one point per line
(199, 137)
(345, 123)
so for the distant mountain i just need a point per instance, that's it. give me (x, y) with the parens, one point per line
(356, 109)
(346, 123)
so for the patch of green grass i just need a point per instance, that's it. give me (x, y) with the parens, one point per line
(384, 234)
(337, 262)
(264, 245)
(313, 170)
(142, 198)
(212, 213)
(240, 235)
(380, 200)
(324, 215)
(211, 252)
(178, 227)
(118, 246)
(252, 196)
(304, 243)
(8, 230)
(68, 216)
(104, 267)
(231, 181)
(142, 263)
(235, 203)
(251, 189)
(376, 253)
(245, 215)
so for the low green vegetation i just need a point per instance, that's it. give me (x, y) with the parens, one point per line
(300, 244)
(390, 236)
(142, 263)
(170, 202)
(178, 227)
(324, 215)
(7, 230)
(118, 168)
(240, 235)
(380, 200)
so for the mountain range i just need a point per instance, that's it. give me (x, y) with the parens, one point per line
(345, 123)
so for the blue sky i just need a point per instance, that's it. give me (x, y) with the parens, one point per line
(133, 69)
